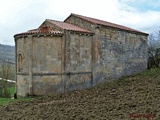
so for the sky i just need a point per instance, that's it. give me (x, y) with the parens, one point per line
(22, 15)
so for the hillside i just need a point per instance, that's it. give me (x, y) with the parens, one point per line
(128, 98)
(7, 52)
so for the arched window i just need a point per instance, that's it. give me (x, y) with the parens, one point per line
(20, 61)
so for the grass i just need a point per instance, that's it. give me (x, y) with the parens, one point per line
(5, 101)
(12, 90)
(151, 73)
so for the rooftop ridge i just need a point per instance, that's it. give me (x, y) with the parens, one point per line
(68, 26)
(105, 23)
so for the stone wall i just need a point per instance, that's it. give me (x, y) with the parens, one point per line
(80, 22)
(77, 61)
(22, 83)
(42, 65)
(47, 55)
(116, 52)
(54, 64)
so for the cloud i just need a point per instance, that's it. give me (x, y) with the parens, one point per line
(21, 15)
(117, 11)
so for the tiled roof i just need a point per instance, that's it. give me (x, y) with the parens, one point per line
(67, 26)
(105, 23)
(40, 31)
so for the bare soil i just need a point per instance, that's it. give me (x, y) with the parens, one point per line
(123, 99)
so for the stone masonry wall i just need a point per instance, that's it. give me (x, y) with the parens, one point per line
(22, 84)
(47, 64)
(116, 52)
(74, 61)
(82, 23)
(78, 61)
(54, 64)
(42, 65)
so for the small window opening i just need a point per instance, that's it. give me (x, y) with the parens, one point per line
(20, 62)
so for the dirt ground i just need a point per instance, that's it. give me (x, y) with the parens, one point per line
(129, 98)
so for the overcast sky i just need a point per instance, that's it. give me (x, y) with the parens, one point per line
(18, 16)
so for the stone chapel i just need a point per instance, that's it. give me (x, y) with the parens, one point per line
(77, 53)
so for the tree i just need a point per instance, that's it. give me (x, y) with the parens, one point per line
(154, 49)
(5, 72)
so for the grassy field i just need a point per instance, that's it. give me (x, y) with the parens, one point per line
(134, 97)
(4, 101)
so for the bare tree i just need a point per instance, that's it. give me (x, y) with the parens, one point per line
(5, 72)
(154, 49)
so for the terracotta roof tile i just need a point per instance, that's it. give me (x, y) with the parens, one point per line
(40, 31)
(67, 26)
(105, 23)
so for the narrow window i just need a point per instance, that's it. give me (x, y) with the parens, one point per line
(20, 62)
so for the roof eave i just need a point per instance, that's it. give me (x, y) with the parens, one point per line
(138, 32)
(26, 35)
